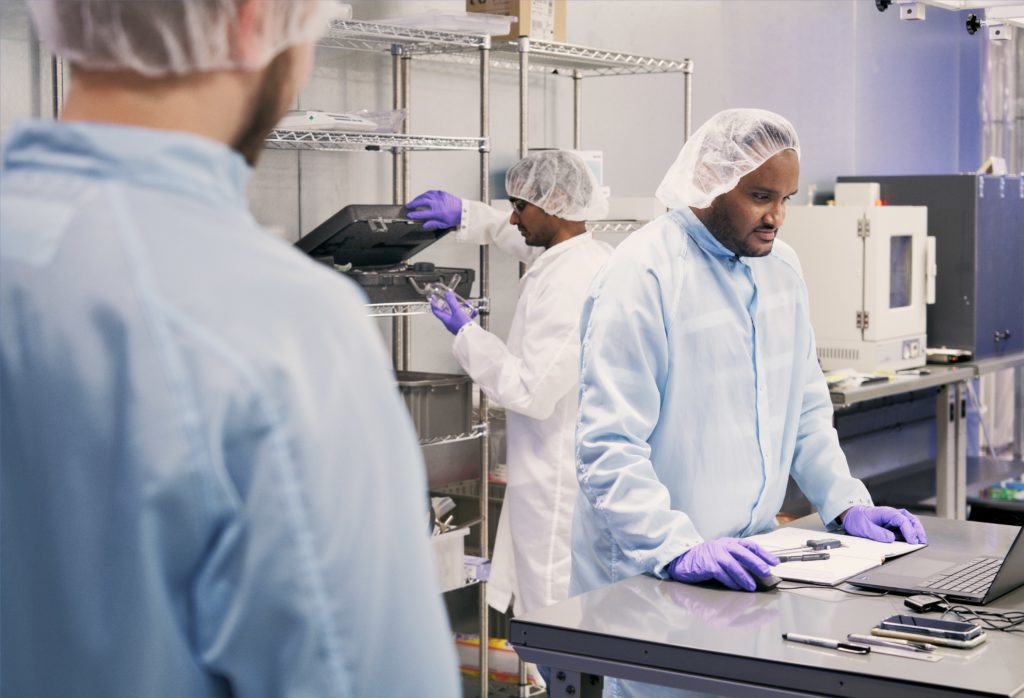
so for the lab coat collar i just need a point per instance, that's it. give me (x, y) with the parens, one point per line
(168, 160)
(699, 233)
(561, 248)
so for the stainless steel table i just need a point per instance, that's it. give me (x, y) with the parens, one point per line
(1000, 363)
(951, 420)
(726, 642)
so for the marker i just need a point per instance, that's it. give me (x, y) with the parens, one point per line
(874, 379)
(806, 557)
(850, 647)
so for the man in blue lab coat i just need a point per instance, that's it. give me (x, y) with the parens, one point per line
(209, 484)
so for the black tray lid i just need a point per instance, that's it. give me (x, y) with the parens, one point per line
(369, 236)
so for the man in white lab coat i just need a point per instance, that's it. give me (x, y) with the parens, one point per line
(534, 376)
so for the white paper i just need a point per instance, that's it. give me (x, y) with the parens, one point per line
(856, 555)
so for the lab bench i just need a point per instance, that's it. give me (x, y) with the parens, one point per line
(914, 488)
(950, 383)
(711, 639)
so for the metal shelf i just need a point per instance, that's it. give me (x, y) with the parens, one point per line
(996, 363)
(281, 139)
(548, 56)
(478, 431)
(379, 37)
(615, 226)
(402, 44)
(470, 583)
(562, 59)
(397, 309)
(415, 308)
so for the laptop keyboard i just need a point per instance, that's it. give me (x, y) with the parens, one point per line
(972, 578)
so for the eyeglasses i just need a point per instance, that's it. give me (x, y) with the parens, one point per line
(518, 204)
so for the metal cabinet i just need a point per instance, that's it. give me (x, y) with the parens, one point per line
(978, 225)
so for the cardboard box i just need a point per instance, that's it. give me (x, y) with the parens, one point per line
(543, 20)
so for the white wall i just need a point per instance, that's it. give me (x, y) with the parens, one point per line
(869, 94)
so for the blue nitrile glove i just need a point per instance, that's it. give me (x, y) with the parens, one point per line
(439, 209)
(452, 311)
(729, 560)
(874, 523)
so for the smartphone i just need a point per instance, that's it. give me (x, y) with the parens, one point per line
(931, 627)
(937, 641)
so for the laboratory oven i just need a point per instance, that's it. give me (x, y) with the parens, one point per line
(978, 224)
(870, 273)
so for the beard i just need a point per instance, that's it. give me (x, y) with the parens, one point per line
(268, 107)
(719, 225)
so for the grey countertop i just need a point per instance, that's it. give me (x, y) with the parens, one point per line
(708, 631)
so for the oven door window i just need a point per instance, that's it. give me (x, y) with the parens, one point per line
(900, 267)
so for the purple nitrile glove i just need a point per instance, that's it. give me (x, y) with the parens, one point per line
(875, 523)
(729, 560)
(452, 311)
(439, 209)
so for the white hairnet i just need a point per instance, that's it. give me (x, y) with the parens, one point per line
(176, 37)
(731, 144)
(560, 184)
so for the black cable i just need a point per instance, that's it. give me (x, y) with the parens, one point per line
(1005, 621)
(845, 591)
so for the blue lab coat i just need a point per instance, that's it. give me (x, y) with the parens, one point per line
(700, 394)
(210, 486)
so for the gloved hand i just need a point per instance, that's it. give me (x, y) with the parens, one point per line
(439, 209)
(729, 560)
(874, 523)
(453, 311)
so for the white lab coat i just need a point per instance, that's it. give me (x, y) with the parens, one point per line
(535, 377)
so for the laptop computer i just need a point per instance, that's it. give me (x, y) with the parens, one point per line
(955, 575)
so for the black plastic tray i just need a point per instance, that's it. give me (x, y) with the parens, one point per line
(395, 285)
(368, 236)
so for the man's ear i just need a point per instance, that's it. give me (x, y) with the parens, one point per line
(247, 42)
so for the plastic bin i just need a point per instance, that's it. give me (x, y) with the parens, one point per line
(449, 554)
(441, 404)
(452, 461)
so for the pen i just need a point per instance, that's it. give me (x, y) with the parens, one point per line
(890, 642)
(874, 379)
(806, 557)
(851, 647)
